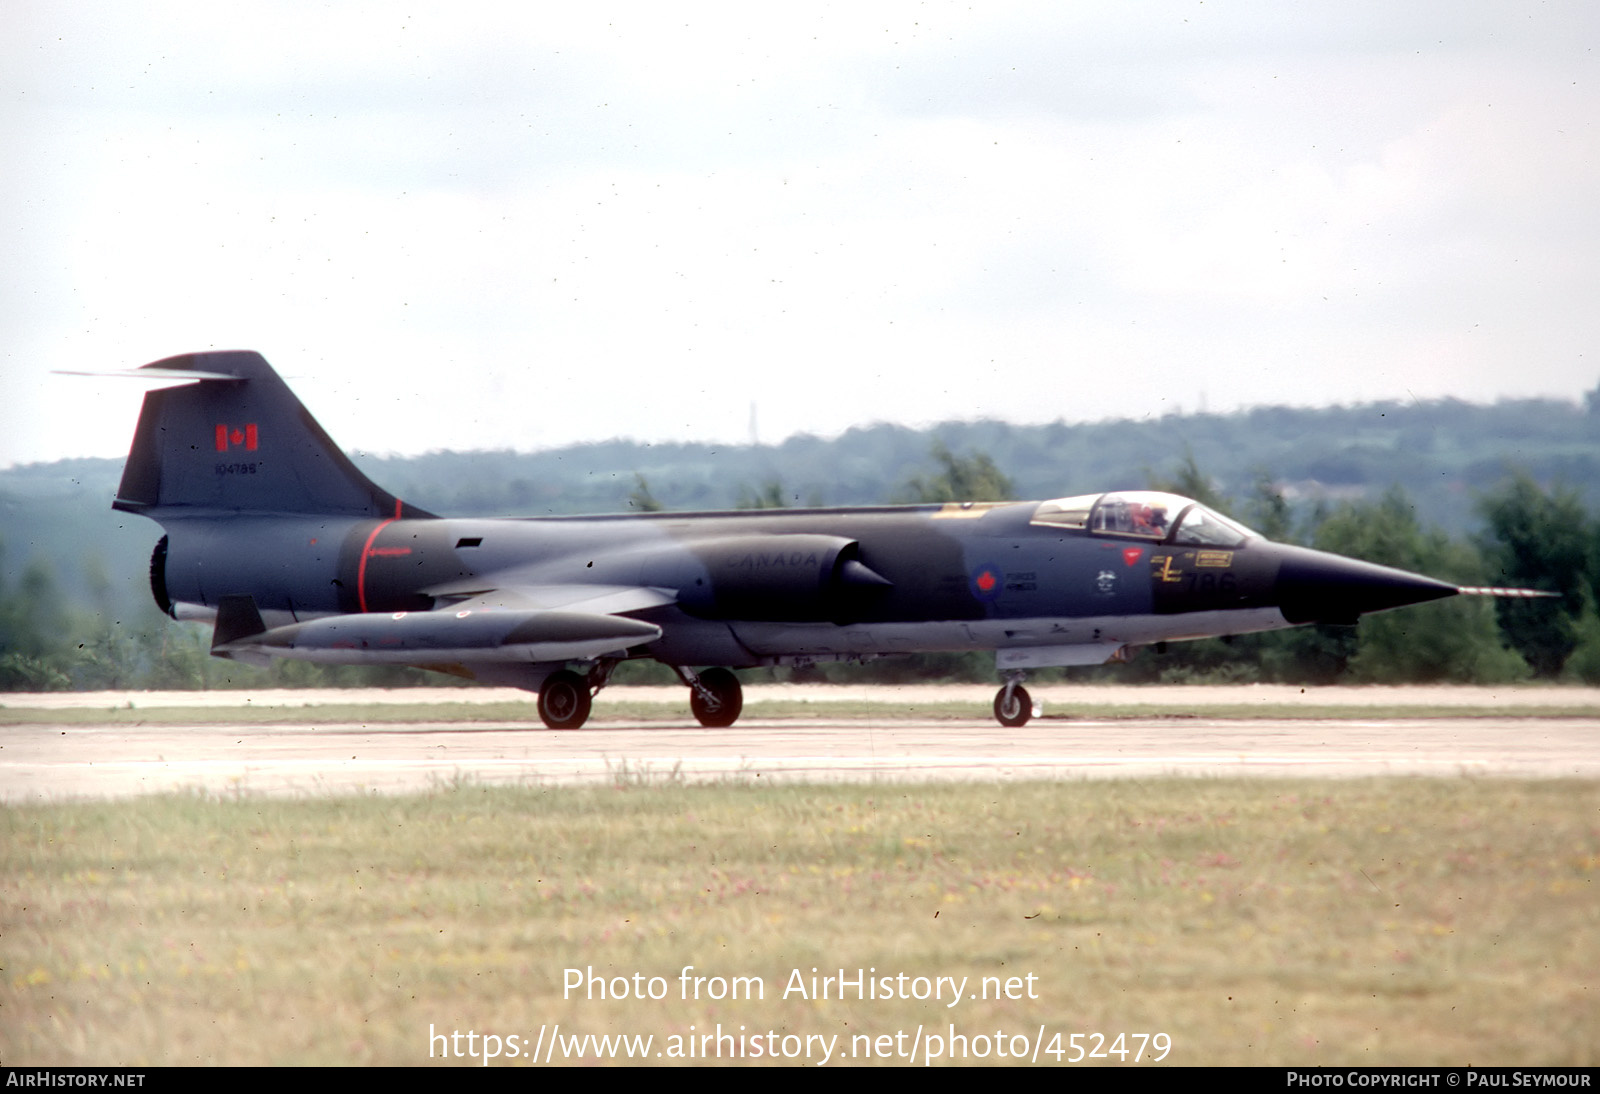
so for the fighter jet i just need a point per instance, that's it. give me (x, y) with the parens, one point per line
(273, 535)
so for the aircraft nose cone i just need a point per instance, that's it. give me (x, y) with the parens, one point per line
(1318, 587)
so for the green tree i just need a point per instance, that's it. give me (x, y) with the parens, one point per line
(641, 499)
(1540, 540)
(109, 659)
(960, 478)
(33, 653)
(180, 657)
(1190, 482)
(1584, 663)
(1448, 640)
(1267, 510)
(769, 496)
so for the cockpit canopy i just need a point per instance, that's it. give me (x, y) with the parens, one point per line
(1145, 514)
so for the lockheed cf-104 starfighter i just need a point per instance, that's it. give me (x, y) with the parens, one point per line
(276, 537)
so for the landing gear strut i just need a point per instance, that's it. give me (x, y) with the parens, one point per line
(714, 695)
(1012, 705)
(564, 700)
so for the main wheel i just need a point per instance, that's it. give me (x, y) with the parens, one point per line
(1014, 710)
(727, 699)
(564, 700)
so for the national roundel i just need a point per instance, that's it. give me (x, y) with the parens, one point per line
(985, 582)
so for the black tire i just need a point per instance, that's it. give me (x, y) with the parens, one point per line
(727, 702)
(1015, 713)
(564, 700)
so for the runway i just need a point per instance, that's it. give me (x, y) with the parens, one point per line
(74, 762)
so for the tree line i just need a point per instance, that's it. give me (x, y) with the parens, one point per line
(1531, 536)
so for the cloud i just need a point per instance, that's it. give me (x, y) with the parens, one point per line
(490, 225)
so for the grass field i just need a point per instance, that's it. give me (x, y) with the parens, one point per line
(1401, 921)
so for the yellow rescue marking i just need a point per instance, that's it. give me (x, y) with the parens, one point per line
(957, 510)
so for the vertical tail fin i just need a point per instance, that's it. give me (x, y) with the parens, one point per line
(239, 441)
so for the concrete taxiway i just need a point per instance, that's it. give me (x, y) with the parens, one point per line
(41, 762)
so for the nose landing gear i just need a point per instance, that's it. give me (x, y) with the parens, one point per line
(1012, 704)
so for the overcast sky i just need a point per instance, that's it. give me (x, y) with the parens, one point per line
(521, 225)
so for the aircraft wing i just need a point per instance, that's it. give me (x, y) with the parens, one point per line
(601, 599)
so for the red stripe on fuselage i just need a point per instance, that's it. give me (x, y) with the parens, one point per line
(361, 570)
(367, 552)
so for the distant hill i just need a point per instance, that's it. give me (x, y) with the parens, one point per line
(1441, 453)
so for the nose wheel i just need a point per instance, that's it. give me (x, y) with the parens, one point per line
(1012, 704)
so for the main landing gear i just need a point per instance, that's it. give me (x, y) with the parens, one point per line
(714, 695)
(566, 698)
(1012, 704)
